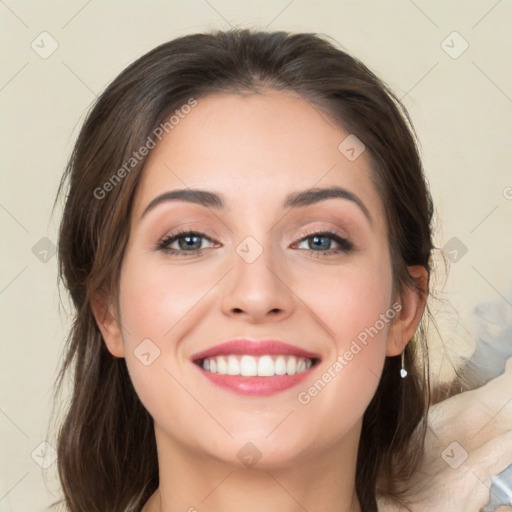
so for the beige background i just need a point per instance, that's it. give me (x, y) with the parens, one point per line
(462, 109)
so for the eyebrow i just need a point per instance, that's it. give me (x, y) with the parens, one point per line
(298, 199)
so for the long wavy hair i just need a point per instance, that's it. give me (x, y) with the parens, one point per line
(107, 458)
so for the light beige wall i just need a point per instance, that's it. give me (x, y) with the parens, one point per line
(462, 109)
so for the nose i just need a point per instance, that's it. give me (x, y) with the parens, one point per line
(259, 290)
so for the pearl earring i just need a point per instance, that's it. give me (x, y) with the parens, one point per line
(403, 371)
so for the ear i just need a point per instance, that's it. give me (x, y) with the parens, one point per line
(105, 314)
(413, 303)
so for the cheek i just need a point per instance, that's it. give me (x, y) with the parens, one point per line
(159, 306)
(356, 308)
(156, 299)
(351, 301)
(340, 394)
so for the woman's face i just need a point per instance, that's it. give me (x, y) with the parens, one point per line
(254, 270)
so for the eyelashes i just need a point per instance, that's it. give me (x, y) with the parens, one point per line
(344, 245)
(165, 243)
(192, 243)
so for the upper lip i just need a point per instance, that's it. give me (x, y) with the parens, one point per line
(255, 348)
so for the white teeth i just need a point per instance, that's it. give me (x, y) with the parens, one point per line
(265, 367)
(233, 366)
(252, 366)
(280, 366)
(248, 366)
(291, 366)
(222, 367)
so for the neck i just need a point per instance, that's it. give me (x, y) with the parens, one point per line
(197, 483)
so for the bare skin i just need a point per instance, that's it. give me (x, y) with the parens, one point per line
(255, 150)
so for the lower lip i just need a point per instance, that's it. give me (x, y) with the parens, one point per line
(256, 386)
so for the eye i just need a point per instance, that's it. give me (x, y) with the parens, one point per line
(321, 243)
(191, 242)
(188, 242)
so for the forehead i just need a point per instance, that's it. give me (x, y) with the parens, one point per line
(255, 149)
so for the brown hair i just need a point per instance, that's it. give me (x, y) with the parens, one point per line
(107, 457)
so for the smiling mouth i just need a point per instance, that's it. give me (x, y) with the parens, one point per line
(256, 366)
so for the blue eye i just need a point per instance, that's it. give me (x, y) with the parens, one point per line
(188, 242)
(320, 243)
(191, 243)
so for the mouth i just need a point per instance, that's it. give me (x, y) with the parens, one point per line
(258, 368)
